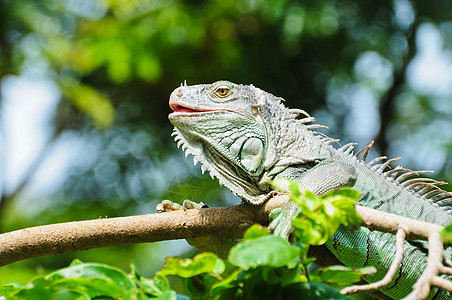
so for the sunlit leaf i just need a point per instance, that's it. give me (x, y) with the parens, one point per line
(94, 271)
(92, 102)
(92, 287)
(446, 234)
(264, 251)
(255, 231)
(185, 267)
(343, 275)
(155, 286)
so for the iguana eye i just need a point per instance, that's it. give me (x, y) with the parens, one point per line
(222, 91)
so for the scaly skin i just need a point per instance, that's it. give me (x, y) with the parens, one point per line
(246, 137)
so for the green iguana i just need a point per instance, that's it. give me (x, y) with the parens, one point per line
(246, 137)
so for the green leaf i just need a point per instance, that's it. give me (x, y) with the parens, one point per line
(343, 275)
(70, 295)
(10, 289)
(295, 189)
(225, 283)
(313, 231)
(446, 234)
(168, 295)
(76, 262)
(92, 287)
(264, 251)
(156, 286)
(312, 291)
(255, 231)
(95, 271)
(321, 216)
(202, 263)
(310, 201)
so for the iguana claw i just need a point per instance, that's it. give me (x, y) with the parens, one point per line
(167, 206)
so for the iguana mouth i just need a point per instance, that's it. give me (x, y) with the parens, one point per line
(186, 109)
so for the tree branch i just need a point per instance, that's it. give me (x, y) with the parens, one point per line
(62, 238)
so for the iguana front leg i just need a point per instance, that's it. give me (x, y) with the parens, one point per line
(219, 245)
(319, 180)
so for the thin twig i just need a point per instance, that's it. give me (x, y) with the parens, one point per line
(400, 240)
(446, 270)
(442, 283)
(448, 262)
(421, 288)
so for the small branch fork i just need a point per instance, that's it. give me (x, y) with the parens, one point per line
(232, 221)
(406, 228)
(400, 239)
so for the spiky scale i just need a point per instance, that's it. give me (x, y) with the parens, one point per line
(306, 120)
(316, 126)
(392, 174)
(347, 148)
(444, 202)
(296, 112)
(365, 150)
(203, 169)
(440, 196)
(415, 181)
(386, 164)
(375, 160)
(432, 193)
(422, 188)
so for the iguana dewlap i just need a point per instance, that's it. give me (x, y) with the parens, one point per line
(246, 137)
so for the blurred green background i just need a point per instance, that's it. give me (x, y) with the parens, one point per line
(85, 85)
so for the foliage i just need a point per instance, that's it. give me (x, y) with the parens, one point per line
(321, 216)
(260, 266)
(446, 234)
(87, 281)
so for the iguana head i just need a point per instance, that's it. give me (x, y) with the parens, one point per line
(234, 131)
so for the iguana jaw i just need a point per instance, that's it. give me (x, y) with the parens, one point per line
(183, 109)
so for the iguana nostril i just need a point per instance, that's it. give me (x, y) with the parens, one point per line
(179, 92)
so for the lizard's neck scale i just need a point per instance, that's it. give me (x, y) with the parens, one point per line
(236, 185)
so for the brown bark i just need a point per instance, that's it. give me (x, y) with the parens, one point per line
(62, 238)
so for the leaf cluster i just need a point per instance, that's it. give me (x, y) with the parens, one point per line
(88, 281)
(320, 217)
